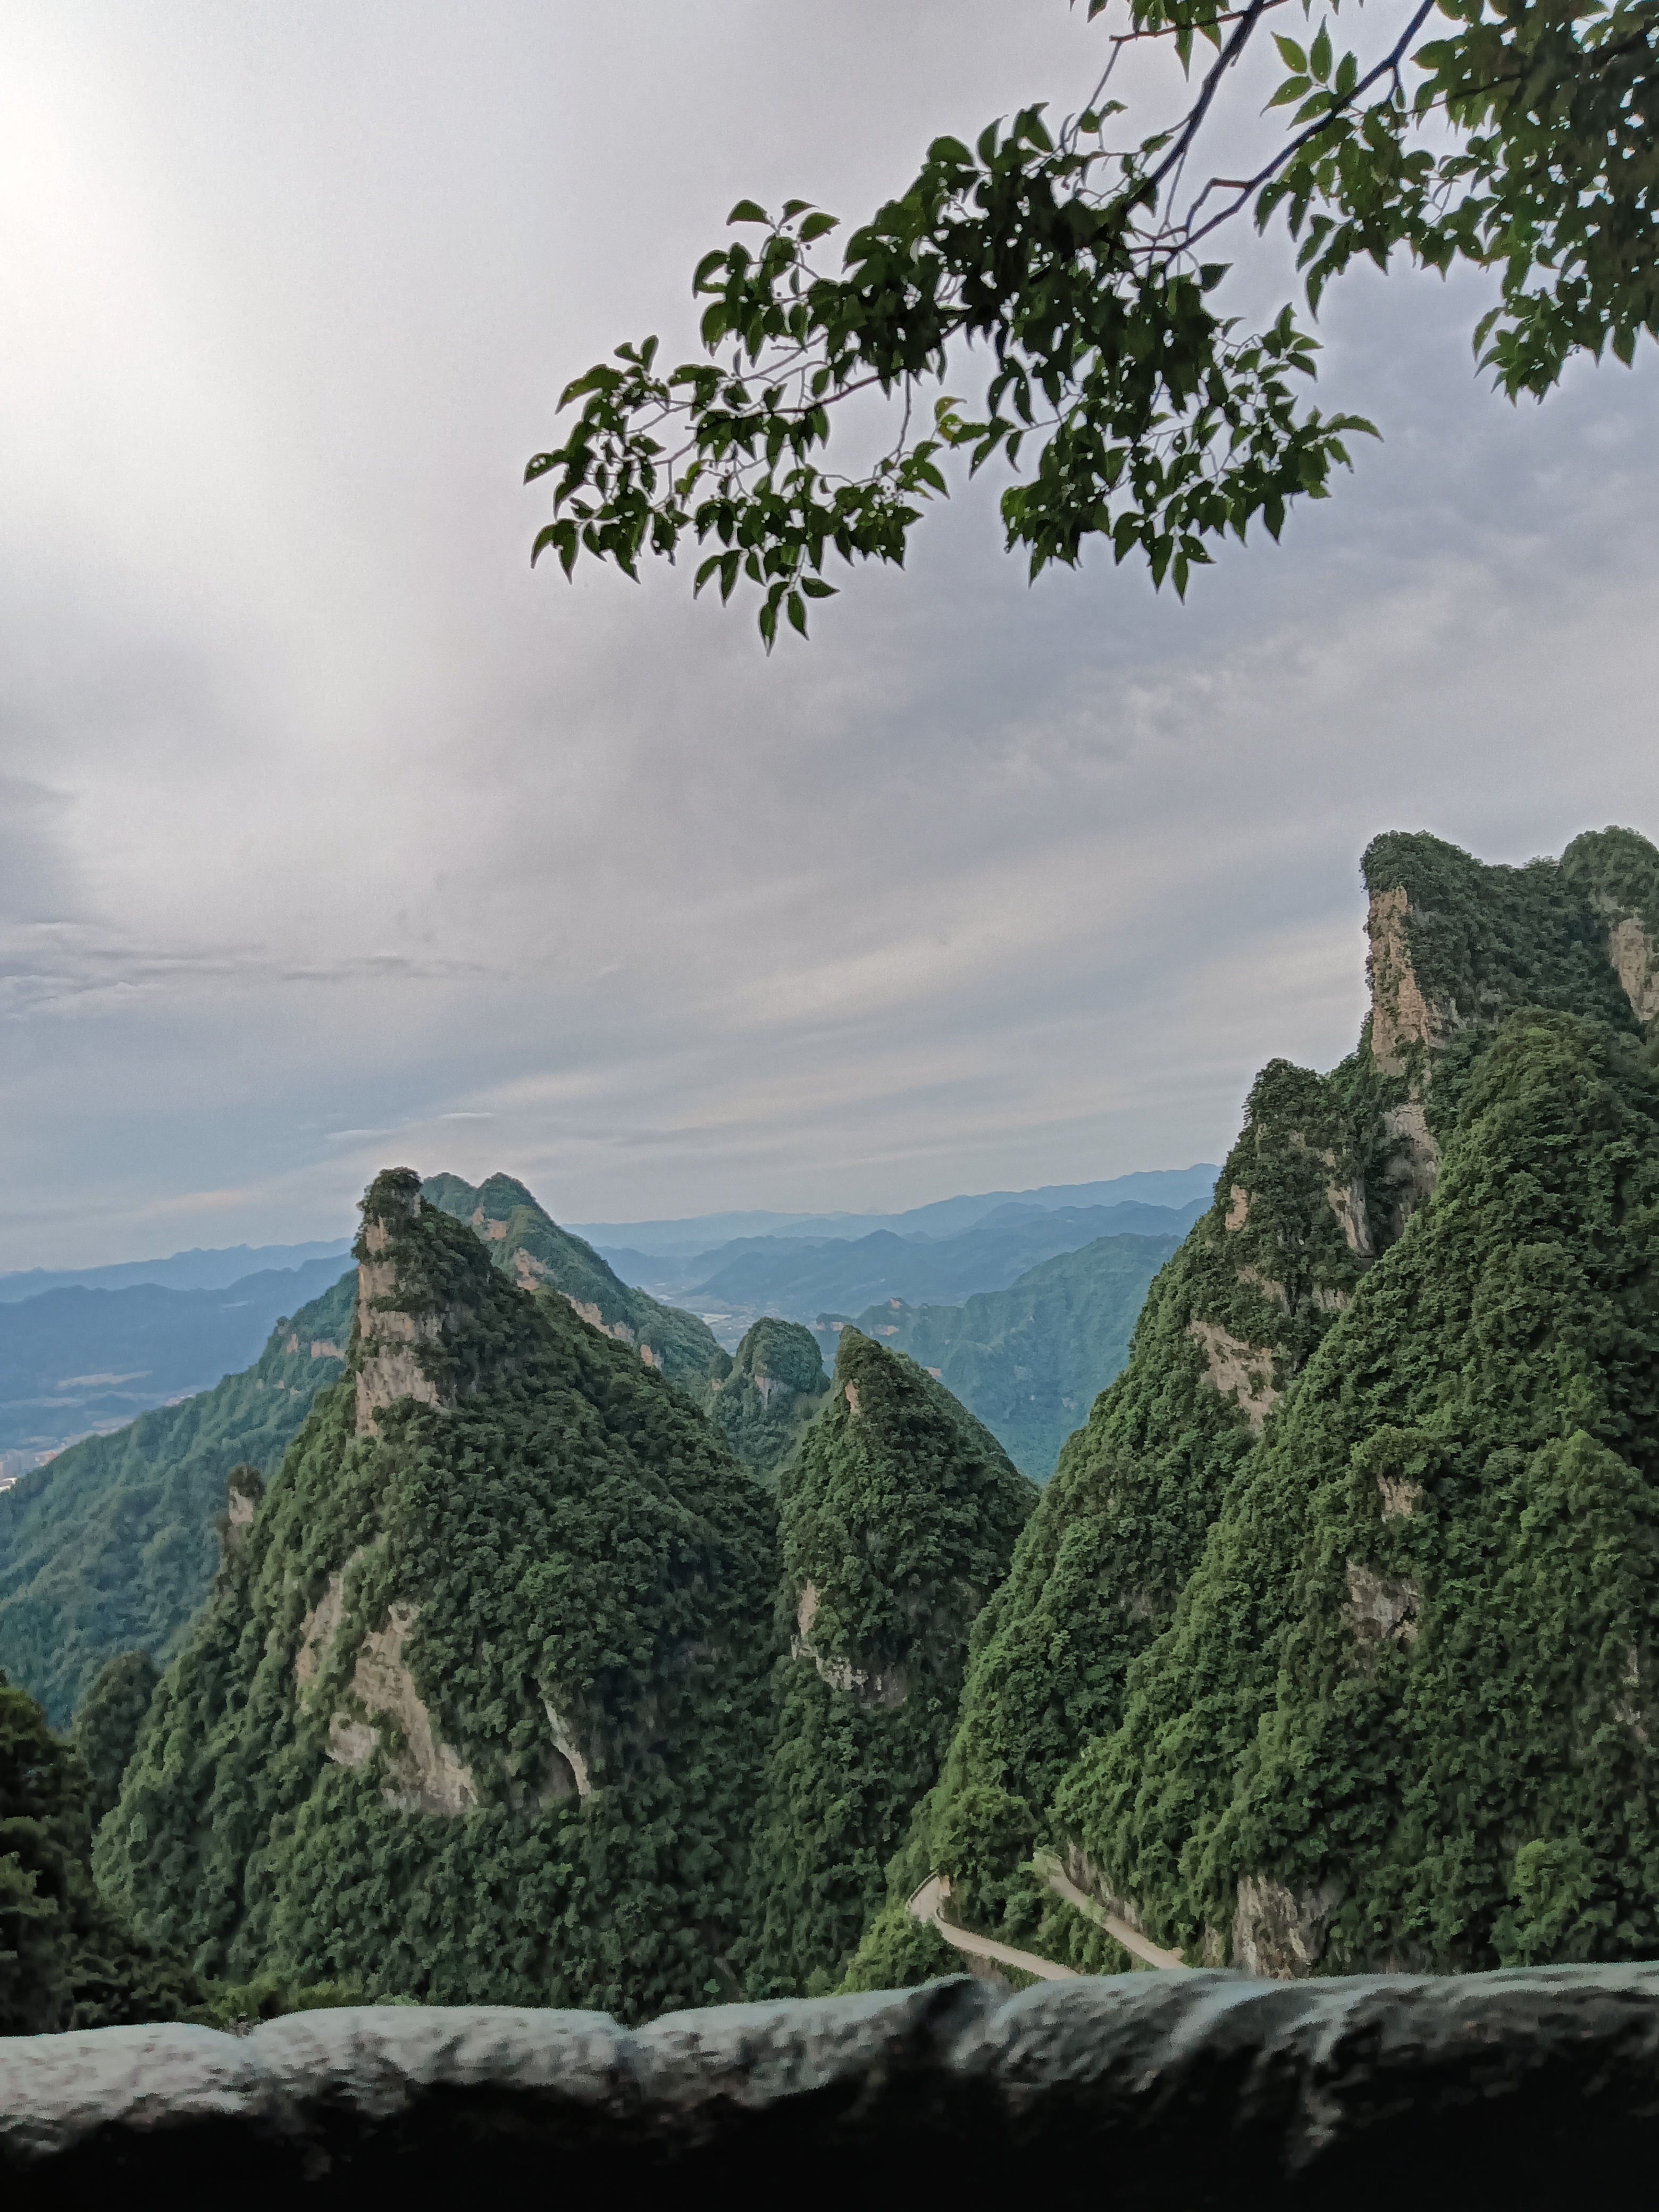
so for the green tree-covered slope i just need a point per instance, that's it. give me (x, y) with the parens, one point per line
(107, 1725)
(474, 1712)
(1028, 1360)
(111, 1546)
(1229, 1324)
(533, 1250)
(897, 1518)
(762, 1399)
(1320, 1629)
(1403, 1714)
(65, 1958)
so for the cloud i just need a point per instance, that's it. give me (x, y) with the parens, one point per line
(332, 829)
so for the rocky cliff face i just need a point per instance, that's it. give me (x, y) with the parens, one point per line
(496, 1629)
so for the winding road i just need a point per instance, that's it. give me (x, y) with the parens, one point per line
(928, 1905)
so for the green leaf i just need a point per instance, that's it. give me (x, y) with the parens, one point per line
(1319, 57)
(1291, 55)
(747, 211)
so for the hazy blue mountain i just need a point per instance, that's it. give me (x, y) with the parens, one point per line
(186, 1271)
(112, 1546)
(801, 1280)
(76, 1360)
(1029, 1361)
(946, 1217)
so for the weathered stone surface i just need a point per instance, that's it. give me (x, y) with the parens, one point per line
(1190, 2089)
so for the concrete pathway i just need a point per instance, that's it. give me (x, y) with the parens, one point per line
(928, 1902)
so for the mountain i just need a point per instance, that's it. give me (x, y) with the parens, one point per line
(897, 1517)
(945, 1217)
(799, 1281)
(1027, 1361)
(1328, 1647)
(764, 1398)
(194, 1270)
(79, 1359)
(530, 1249)
(111, 1546)
(475, 1710)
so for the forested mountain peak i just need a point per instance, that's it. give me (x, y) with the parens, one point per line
(483, 1671)
(898, 1516)
(530, 1249)
(763, 1397)
(1326, 1647)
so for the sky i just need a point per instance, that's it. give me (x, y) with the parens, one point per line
(332, 838)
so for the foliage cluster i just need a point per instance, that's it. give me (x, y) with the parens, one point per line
(106, 1730)
(65, 1959)
(768, 1394)
(1411, 1674)
(1515, 138)
(531, 1249)
(568, 1536)
(111, 1546)
(897, 1518)
(1028, 1360)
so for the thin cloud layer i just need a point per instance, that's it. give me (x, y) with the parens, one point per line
(332, 835)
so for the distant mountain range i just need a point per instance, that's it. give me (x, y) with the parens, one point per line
(1027, 1361)
(194, 1270)
(78, 1361)
(946, 1217)
(799, 1278)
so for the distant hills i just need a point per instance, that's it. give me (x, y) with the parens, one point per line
(1028, 1360)
(79, 1359)
(945, 1217)
(112, 1546)
(799, 1278)
(195, 1270)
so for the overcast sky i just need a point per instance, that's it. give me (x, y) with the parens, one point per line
(332, 838)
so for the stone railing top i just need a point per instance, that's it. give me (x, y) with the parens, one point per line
(1185, 2089)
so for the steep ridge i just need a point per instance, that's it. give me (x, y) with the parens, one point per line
(762, 1399)
(1230, 1323)
(1400, 1715)
(111, 1546)
(897, 1518)
(475, 1710)
(531, 1250)
(1027, 1361)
